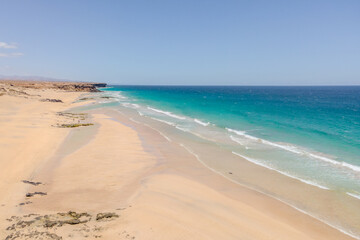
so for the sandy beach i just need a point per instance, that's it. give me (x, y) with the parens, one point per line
(97, 175)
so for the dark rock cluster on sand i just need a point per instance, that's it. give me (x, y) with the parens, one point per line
(74, 125)
(35, 226)
(31, 182)
(35, 193)
(51, 100)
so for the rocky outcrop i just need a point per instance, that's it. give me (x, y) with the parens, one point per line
(56, 225)
(66, 86)
(81, 87)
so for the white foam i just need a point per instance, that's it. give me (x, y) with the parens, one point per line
(135, 120)
(125, 104)
(166, 137)
(353, 167)
(236, 140)
(354, 195)
(130, 105)
(242, 133)
(296, 150)
(257, 162)
(349, 233)
(201, 123)
(118, 96)
(166, 113)
(163, 121)
(163, 135)
(182, 129)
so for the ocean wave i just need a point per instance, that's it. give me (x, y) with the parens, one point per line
(125, 104)
(170, 114)
(201, 123)
(354, 195)
(164, 136)
(118, 96)
(242, 133)
(281, 172)
(183, 129)
(236, 140)
(239, 142)
(130, 105)
(296, 150)
(135, 105)
(163, 121)
(349, 233)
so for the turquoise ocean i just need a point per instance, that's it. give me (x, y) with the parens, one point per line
(311, 134)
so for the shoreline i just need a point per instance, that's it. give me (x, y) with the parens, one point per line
(325, 205)
(154, 187)
(297, 209)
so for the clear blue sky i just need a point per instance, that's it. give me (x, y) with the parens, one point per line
(183, 42)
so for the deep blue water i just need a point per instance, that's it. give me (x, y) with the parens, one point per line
(298, 130)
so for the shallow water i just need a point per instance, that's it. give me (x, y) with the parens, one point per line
(312, 133)
(309, 135)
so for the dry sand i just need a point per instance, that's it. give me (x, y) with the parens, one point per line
(110, 168)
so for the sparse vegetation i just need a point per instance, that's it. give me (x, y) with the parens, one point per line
(74, 125)
(80, 116)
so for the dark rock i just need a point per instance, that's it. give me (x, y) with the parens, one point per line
(73, 221)
(24, 203)
(99, 84)
(50, 224)
(85, 98)
(51, 100)
(108, 215)
(35, 193)
(32, 183)
(12, 227)
(30, 214)
(23, 224)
